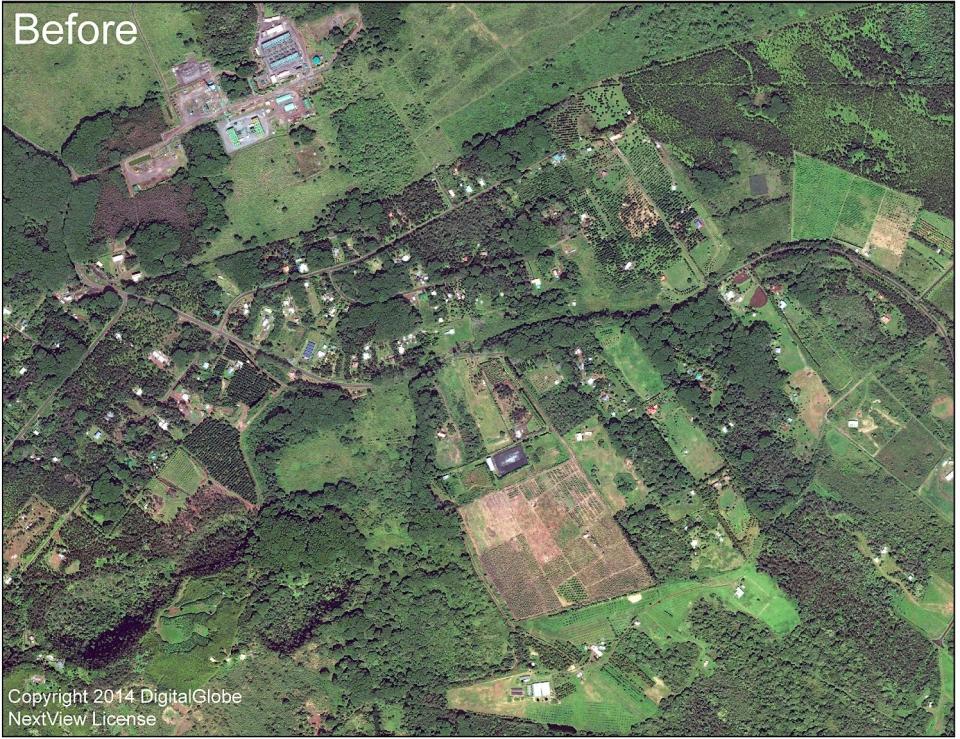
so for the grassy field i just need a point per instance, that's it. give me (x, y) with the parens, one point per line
(270, 199)
(599, 703)
(603, 465)
(383, 421)
(49, 88)
(754, 231)
(458, 382)
(934, 611)
(627, 356)
(606, 104)
(830, 361)
(689, 443)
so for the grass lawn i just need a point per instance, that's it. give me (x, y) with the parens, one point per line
(459, 381)
(48, 88)
(689, 443)
(627, 356)
(270, 200)
(932, 613)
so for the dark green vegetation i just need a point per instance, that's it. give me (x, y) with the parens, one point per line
(703, 254)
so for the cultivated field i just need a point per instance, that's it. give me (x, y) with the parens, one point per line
(550, 541)
(829, 202)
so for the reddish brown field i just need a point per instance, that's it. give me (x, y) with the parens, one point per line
(536, 534)
(759, 298)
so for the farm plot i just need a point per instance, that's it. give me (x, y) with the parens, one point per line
(830, 203)
(26, 531)
(551, 540)
(624, 351)
(686, 439)
(464, 385)
(813, 398)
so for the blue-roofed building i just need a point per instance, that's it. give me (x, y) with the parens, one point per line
(276, 41)
(309, 349)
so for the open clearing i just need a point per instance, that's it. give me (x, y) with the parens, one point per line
(627, 356)
(689, 443)
(814, 398)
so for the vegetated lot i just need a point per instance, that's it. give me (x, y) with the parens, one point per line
(382, 422)
(689, 443)
(911, 454)
(28, 527)
(829, 202)
(607, 470)
(628, 357)
(870, 416)
(938, 490)
(550, 541)
(92, 78)
(734, 509)
(932, 613)
(647, 646)
(464, 386)
(606, 104)
(193, 634)
(270, 199)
